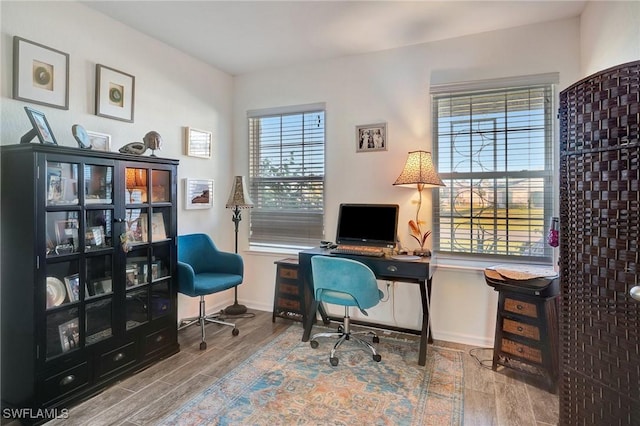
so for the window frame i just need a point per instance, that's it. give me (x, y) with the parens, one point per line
(290, 224)
(548, 174)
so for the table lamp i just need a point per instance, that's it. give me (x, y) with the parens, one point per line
(238, 199)
(419, 172)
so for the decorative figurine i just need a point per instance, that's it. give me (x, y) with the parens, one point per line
(152, 140)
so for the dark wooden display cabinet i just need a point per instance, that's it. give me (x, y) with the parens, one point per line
(88, 271)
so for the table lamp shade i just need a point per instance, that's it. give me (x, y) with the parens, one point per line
(419, 170)
(239, 196)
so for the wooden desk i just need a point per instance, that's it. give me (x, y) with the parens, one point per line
(385, 268)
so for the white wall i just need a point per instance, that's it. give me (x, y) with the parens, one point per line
(173, 90)
(393, 87)
(609, 35)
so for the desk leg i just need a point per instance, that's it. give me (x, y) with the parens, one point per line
(425, 333)
(311, 317)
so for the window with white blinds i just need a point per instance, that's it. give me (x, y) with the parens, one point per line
(493, 150)
(287, 176)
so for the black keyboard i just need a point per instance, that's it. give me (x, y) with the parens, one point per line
(358, 252)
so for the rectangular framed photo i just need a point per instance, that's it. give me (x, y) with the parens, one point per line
(115, 94)
(197, 142)
(67, 233)
(73, 287)
(40, 74)
(99, 141)
(39, 127)
(371, 137)
(101, 286)
(198, 193)
(69, 333)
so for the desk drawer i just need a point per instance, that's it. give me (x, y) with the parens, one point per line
(521, 329)
(116, 359)
(523, 351)
(521, 308)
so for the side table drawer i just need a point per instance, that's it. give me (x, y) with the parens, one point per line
(523, 351)
(292, 289)
(521, 329)
(288, 273)
(288, 304)
(521, 308)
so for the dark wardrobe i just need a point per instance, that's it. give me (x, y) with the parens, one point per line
(599, 208)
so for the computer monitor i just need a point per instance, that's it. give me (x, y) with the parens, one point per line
(373, 225)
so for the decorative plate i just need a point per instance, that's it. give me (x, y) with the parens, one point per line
(56, 293)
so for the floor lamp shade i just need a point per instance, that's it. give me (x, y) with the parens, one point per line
(239, 196)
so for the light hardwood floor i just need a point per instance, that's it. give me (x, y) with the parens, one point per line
(490, 398)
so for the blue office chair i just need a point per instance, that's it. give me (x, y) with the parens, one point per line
(203, 270)
(345, 282)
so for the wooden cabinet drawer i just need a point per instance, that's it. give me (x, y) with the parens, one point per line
(62, 383)
(523, 351)
(285, 288)
(157, 340)
(521, 329)
(116, 359)
(285, 272)
(521, 308)
(284, 303)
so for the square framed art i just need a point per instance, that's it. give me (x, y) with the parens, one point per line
(371, 137)
(115, 94)
(40, 74)
(198, 193)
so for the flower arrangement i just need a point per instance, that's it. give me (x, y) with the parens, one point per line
(421, 238)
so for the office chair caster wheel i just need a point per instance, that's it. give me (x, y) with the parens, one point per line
(340, 329)
(333, 361)
(235, 332)
(377, 358)
(203, 346)
(314, 344)
(376, 339)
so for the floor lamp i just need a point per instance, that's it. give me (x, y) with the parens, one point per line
(238, 199)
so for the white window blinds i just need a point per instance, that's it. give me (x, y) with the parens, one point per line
(493, 149)
(287, 176)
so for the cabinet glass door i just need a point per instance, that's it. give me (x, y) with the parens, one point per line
(79, 252)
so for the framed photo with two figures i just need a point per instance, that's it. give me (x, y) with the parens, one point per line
(371, 137)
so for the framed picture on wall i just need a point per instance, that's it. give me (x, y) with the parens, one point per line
(197, 142)
(198, 193)
(40, 74)
(115, 93)
(371, 137)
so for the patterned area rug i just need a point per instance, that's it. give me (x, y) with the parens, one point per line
(289, 383)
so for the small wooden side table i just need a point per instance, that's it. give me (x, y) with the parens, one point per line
(290, 299)
(526, 336)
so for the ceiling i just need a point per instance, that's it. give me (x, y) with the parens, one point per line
(241, 37)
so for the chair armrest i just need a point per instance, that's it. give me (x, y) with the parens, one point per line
(186, 277)
(230, 263)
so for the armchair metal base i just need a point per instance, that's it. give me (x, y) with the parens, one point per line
(202, 319)
(344, 333)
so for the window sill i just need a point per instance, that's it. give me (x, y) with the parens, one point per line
(272, 250)
(476, 264)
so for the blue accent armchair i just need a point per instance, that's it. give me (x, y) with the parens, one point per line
(348, 283)
(204, 270)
